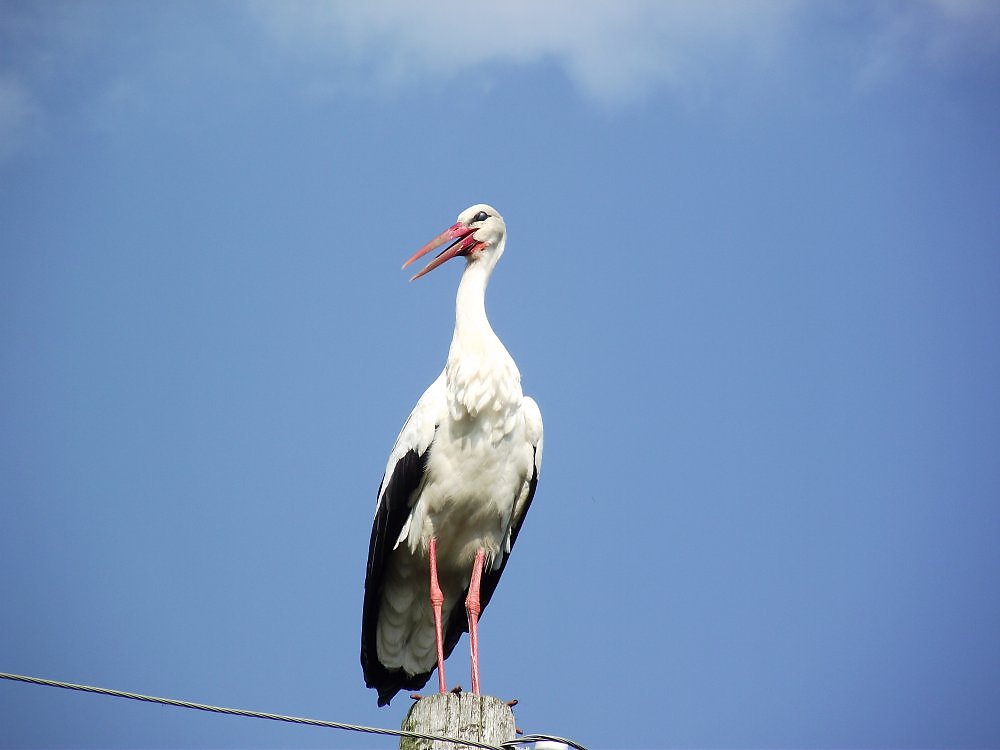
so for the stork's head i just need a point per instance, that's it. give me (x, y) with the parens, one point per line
(478, 235)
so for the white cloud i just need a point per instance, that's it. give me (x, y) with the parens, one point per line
(626, 50)
(611, 51)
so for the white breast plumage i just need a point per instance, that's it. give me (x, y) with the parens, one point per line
(484, 393)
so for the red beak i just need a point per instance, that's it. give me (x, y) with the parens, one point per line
(463, 244)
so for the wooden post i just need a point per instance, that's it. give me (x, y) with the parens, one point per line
(464, 716)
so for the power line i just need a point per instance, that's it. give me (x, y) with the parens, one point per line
(509, 745)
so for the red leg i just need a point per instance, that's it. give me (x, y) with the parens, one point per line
(473, 609)
(437, 602)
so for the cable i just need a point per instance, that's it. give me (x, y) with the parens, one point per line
(509, 745)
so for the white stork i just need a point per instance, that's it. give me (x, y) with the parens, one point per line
(456, 488)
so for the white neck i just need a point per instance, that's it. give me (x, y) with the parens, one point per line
(471, 324)
(482, 379)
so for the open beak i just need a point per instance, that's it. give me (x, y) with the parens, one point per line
(464, 243)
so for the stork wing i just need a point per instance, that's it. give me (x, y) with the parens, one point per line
(458, 623)
(404, 473)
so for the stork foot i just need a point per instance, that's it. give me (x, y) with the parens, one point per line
(457, 690)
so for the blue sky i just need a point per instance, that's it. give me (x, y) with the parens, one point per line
(751, 279)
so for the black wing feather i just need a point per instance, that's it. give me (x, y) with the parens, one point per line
(389, 519)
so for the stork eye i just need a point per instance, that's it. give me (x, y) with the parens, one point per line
(481, 216)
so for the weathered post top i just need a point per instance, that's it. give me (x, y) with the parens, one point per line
(465, 716)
